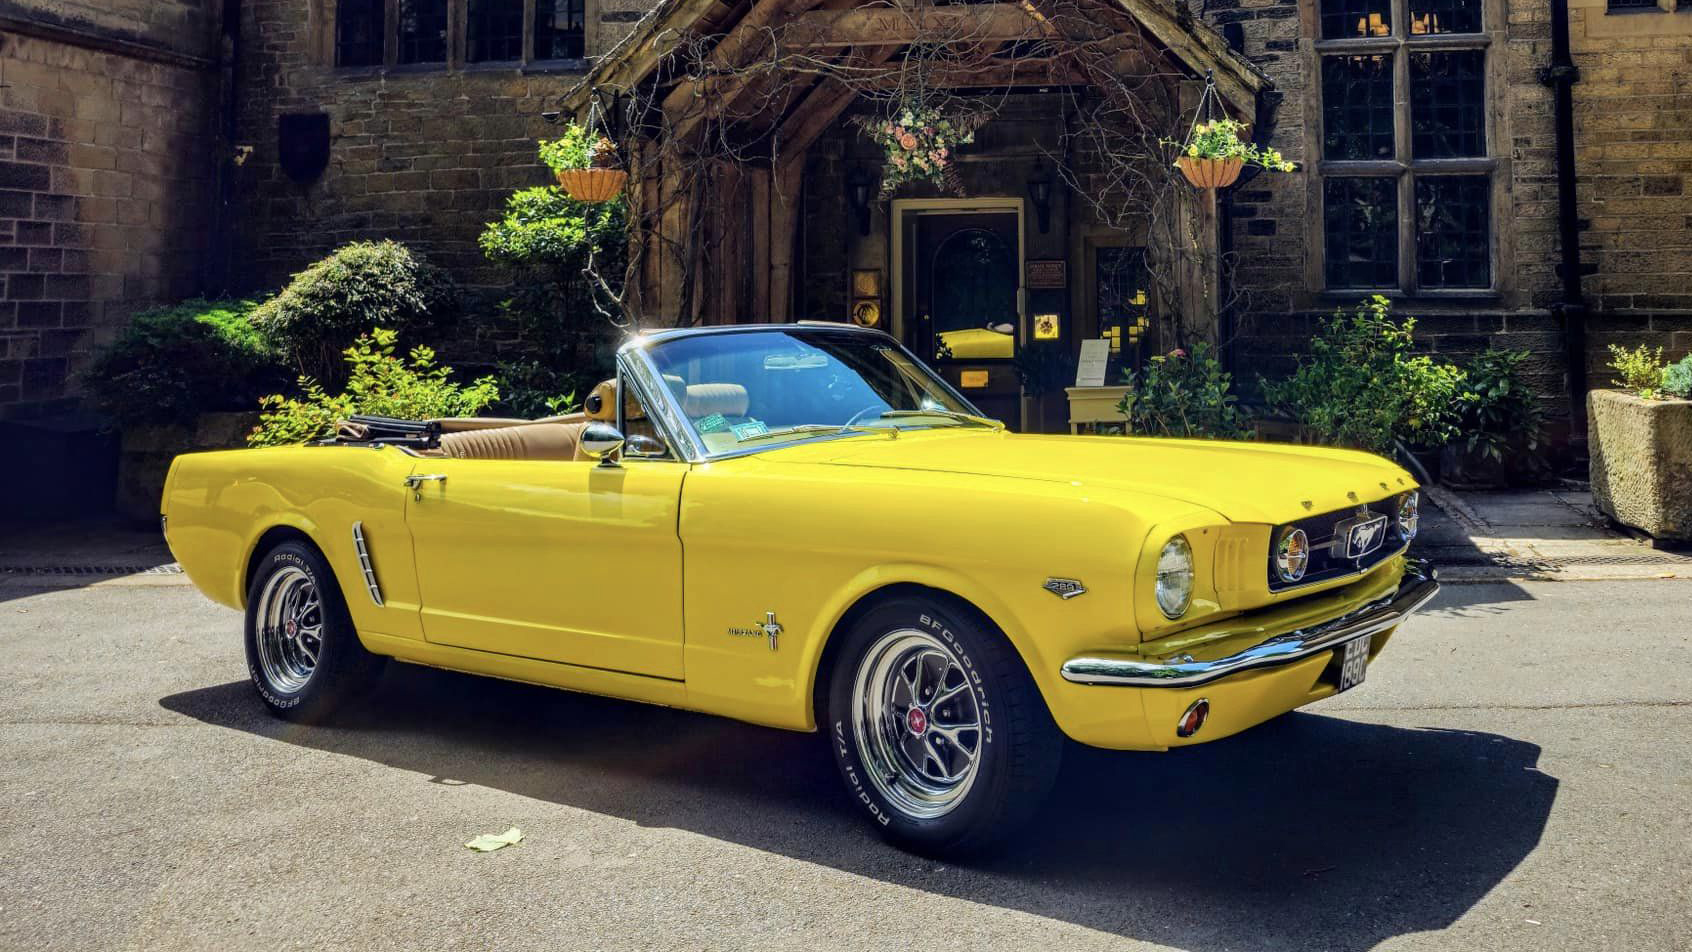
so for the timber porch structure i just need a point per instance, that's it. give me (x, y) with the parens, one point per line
(755, 194)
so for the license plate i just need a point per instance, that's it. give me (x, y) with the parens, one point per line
(1354, 663)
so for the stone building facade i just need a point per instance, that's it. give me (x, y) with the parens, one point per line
(142, 147)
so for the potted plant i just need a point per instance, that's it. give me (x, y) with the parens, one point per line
(1499, 424)
(586, 165)
(1216, 151)
(1640, 442)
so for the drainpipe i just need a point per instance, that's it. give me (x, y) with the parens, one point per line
(1561, 75)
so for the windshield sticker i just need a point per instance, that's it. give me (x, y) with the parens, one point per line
(711, 424)
(749, 429)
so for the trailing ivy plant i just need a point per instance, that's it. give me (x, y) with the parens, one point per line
(1183, 395)
(1362, 387)
(379, 383)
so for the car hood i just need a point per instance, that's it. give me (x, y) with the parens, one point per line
(1244, 482)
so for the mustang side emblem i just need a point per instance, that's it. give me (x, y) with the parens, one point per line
(1065, 588)
(770, 628)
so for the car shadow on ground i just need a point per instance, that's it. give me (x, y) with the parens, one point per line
(1308, 832)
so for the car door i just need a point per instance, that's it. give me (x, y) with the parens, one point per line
(565, 561)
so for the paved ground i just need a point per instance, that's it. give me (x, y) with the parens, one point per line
(1548, 534)
(1514, 775)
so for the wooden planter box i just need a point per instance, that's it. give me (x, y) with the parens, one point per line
(145, 453)
(1641, 453)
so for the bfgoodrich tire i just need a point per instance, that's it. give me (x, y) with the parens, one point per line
(303, 655)
(940, 734)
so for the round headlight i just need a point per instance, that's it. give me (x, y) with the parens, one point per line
(1292, 555)
(1175, 577)
(1409, 514)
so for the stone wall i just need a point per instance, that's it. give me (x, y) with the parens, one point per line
(1633, 105)
(106, 182)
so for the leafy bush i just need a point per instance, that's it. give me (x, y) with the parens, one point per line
(529, 389)
(378, 383)
(363, 284)
(1361, 387)
(173, 363)
(1183, 395)
(1677, 379)
(1497, 410)
(1639, 370)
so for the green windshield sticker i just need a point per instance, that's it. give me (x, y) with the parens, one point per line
(749, 429)
(711, 424)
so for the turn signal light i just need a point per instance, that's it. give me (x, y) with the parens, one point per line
(1197, 713)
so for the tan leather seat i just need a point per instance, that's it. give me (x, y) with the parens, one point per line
(548, 441)
(704, 399)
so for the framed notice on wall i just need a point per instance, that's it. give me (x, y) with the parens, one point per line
(1047, 274)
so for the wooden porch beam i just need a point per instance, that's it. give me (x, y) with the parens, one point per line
(895, 26)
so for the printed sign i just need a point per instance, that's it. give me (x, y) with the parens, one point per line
(1048, 273)
(1095, 358)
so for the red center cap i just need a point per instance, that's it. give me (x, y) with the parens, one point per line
(291, 627)
(917, 720)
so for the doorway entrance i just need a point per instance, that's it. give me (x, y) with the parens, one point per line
(958, 290)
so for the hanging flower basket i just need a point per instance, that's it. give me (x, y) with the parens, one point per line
(593, 185)
(921, 146)
(1210, 173)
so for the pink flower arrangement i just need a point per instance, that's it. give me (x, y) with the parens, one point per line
(920, 145)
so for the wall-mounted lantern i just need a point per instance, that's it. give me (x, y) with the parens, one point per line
(1040, 193)
(859, 188)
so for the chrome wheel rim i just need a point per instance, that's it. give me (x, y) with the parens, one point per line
(290, 629)
(917, 723)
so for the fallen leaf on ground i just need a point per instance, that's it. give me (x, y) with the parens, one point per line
(488, 842)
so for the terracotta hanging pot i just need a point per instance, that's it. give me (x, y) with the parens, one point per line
(1210, 173)
(594, 185)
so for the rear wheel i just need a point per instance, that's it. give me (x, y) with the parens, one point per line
(937, 728)
(303, 655)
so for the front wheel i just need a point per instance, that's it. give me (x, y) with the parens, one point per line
(937, 728)
(303, 655)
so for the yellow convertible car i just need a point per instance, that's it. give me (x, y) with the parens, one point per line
(802, 526)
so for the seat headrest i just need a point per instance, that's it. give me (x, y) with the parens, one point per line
(601, 404)
(704, 399)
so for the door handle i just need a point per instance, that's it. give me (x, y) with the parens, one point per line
(415, 481)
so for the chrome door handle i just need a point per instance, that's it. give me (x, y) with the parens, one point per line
(416, 480)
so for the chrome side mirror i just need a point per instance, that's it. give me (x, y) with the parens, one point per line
(602, 441)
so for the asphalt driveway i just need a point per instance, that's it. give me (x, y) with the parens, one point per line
(1515, 774)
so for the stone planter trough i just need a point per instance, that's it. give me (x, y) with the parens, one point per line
(1641, 453)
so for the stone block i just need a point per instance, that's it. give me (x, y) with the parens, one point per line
(1641, 462)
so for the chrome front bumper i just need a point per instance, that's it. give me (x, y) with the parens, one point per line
(1414, 590)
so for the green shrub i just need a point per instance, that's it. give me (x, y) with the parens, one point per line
(1183, 395)
(1677, 379)
(1639, 370)
(1497, 411)
(361, 285)
(572, 150)
(173, 363)
(1361, 387)
(529, 389)
(378, 383)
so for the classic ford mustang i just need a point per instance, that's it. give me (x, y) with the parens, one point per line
(802, 526)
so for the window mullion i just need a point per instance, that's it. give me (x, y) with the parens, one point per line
(528, 52)
(390, 33)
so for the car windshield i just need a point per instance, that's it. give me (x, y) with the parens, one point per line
(745, 390)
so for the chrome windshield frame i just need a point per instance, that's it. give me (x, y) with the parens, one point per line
(635, 364)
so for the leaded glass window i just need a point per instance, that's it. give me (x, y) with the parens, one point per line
(1453, 231)
(494, 31)
(1407, 175)
(1448, 104)
(423, 31)
(559, 29)
(1361, 220)
(1431, 17)
(1357, 107)
(359, 32)
(1356, 18)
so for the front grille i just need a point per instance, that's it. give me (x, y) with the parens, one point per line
(1328, 558)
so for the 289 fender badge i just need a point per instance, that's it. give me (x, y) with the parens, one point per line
(1065, 588)
(770, 628)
